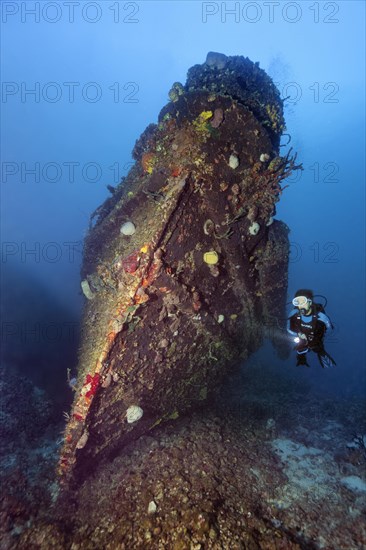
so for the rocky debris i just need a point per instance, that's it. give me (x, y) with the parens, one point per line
(29, 428)
(214, 479)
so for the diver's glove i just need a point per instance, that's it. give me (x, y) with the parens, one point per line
(302, 336)
(326, 360)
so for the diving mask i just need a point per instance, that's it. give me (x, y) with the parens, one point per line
(300, 301)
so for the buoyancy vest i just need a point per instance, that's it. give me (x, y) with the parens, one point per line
(308, 327)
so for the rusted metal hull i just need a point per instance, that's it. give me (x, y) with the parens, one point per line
(178, 301)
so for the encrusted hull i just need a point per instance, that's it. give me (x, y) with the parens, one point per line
(176, 303)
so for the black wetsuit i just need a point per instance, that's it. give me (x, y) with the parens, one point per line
(314, 325)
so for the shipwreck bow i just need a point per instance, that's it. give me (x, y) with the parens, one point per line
(184, 264)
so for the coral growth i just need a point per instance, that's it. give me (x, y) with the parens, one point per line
(148, 162)
(201, 125)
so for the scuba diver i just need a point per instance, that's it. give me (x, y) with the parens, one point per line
(308, 324)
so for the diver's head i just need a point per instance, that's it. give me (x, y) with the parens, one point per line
(303, 300)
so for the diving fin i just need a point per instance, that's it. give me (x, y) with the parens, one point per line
(326, 360)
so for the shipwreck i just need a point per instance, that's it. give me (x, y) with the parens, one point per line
(184, 264)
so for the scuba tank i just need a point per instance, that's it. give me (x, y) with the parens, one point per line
(321, 307)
